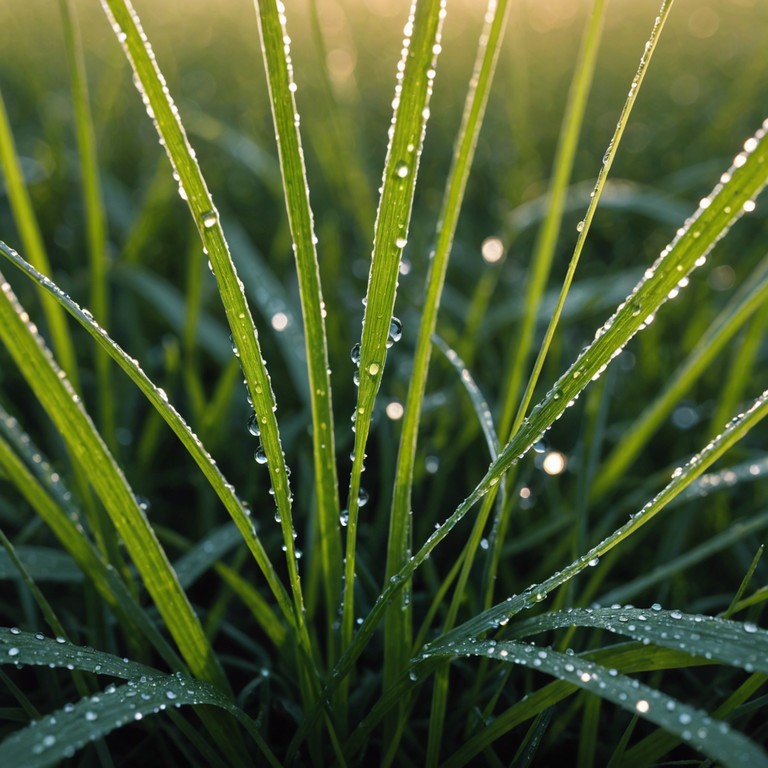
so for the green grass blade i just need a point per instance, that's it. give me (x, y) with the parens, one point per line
(727, 203)
(738, 311)
(95, 217)
(275, 49)
(32, 240)
(681, 478)
(53, 507)
(192, 187)
(711, 737)
(159, 401)
(586, 222)
(742, 645)
(58, 398)
(62, 733)
(416, 72)
(546, 241)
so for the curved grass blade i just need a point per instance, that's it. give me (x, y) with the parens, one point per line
(743, 645)
(159, 401)
(479, 404)
(275, 46)
(192, 188)
(55, 393)
(95, 217)
(61, 734)
(55, 510)
(711, 737)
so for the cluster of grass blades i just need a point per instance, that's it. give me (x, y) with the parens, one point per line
(304, 630)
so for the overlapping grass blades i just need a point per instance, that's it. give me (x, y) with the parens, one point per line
(147, 692)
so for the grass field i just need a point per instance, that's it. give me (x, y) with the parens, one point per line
(522, 247)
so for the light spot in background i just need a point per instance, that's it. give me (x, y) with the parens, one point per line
(684, 89)
(525, 492)
(684, 417)
(545, 15)
(703, 23)
(554, 463)
(279, 321)
(431, 464)
(722, 278)
(492, 250)
(394, 410)
(341, 66)
(642, 706)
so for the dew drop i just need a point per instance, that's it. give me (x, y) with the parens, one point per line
(401, 170)
(260, 455)
(373, 369)
(253, 425)
(209, 219)
(355, 354)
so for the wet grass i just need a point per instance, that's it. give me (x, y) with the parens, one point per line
(549, 420)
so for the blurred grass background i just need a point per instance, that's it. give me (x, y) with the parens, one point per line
(706, 92)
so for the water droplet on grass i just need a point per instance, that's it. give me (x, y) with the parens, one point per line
(209, 219)
(260, 455)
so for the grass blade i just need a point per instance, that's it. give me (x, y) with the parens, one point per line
(711, 737)
(95, 217)
(681, 478)
(275, 48)
(159, 401)
(416, 72)
(192, 187)
(32, 239)
(66, 411)
(59, 735)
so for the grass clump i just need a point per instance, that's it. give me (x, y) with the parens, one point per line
(446, 581)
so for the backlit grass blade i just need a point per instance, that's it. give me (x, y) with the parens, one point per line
(682, 477)
(733, 196)
(32, 239)
(743, 305)
(63, 406)
(546, 240)
(275, 45)
(415, 75)
(474, 111)
(62, 519)
(192, 188)
(711, 737)
(148, 691)
(159, 400)
(95, 217)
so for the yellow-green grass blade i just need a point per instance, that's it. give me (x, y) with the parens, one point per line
(51, 504)
(63, 405)
(193, 189)
(95, 216)
(159, 400)
(744, 304)
(546, 241)
(275, 48)
(32, 240)
(416, 72)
